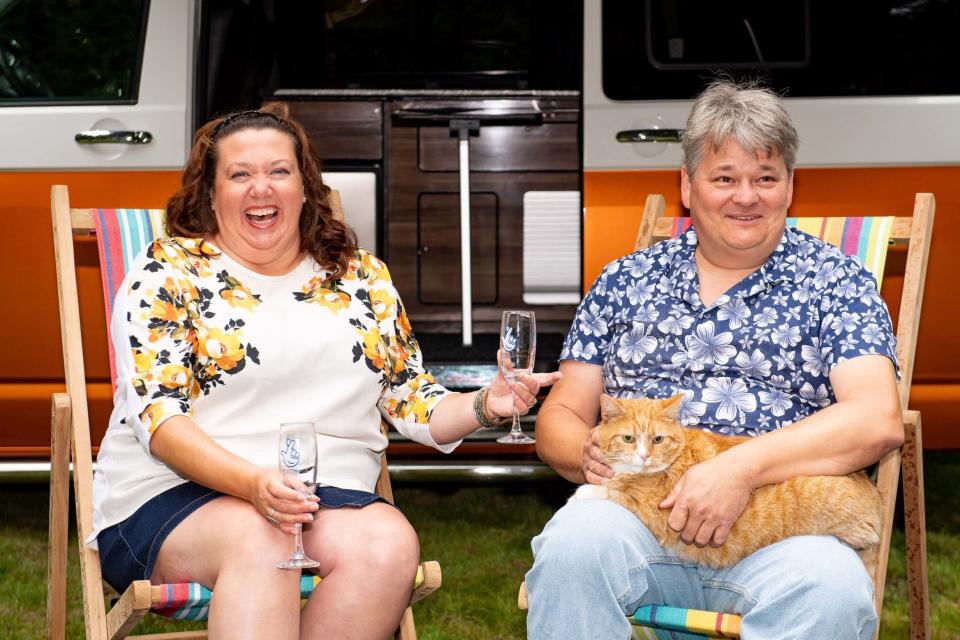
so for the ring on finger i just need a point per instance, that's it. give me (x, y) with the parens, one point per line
(271, 516)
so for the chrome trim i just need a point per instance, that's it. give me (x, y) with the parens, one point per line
(107, 136)
(38, 472)
(372, 93)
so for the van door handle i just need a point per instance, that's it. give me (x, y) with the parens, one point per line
(650, 135)
(106, 136)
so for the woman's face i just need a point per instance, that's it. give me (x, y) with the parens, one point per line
(257, 199)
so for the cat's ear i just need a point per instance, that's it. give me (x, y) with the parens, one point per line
(610, 409)
(671, 406)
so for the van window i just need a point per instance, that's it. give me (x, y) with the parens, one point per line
(70, 51)
(256, 47)
(667, 49)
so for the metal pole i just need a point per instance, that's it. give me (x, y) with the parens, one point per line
(466, 279)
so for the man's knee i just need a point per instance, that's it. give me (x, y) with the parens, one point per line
(587, 535)
(817, 583)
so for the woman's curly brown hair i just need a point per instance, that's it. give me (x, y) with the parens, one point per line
(190, 213)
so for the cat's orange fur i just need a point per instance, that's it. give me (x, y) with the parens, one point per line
(847, 507)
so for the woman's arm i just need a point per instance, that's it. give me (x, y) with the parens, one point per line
(453, 418)
(188, 450)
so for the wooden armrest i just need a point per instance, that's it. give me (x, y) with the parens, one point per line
(129, 610)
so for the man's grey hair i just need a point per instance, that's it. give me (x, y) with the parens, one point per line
(751, 115)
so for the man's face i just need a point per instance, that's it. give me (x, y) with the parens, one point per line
(738, 202)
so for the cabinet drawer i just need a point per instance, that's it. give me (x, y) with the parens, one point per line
(546, 147)
(343, 130)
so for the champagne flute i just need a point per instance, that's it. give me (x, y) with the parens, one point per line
(298, 464)
(518, 346)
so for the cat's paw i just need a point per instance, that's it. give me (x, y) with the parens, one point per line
(589, 492)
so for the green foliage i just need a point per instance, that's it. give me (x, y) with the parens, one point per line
(481, 535)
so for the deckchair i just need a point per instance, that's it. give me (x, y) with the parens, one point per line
(120, 234)
(868, 239)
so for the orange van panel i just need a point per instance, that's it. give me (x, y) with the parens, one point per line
(32, 366)
(613, 203)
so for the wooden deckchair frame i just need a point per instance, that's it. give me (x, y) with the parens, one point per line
(916, 232)
(70, 442)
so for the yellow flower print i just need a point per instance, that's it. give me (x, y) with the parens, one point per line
(164, 310)
(222, 347)
(403, 325)
(353, 267)
(334, 299)
(152, 416)
(383, 303)
(235, 293)
(174, 376)
(398, 356)
(375, 268)
(143, 360)
(185, 254)
(374, 350)
(417, 407)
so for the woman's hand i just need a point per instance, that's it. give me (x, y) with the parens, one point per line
(504, 396)
(594, 466)
(282, 505)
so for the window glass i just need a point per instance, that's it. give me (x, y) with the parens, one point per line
(70, 51)
(667, 49)
(258, 46)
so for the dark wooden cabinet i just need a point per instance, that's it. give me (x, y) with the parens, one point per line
(418, 164)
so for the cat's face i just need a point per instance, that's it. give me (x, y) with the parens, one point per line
(640, 435)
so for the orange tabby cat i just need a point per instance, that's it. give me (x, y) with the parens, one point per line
(649, 451)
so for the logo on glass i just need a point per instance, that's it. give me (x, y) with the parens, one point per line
(290, 455)
(509, 338)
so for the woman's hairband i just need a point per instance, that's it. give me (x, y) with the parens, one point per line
(243, 115)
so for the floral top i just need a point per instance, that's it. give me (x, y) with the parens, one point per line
(198, 334)
(755, 360)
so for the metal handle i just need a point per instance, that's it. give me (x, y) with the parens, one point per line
(650, 135)
(106, 136)
(441, 117)
(466, 278)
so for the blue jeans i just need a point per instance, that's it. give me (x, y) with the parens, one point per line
(595, 563)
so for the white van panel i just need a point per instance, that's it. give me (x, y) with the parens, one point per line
(42, 137)
(834, 132)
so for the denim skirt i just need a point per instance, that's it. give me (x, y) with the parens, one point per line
(128, 550)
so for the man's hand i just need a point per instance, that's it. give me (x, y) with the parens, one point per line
(706, 501)
(594, 466)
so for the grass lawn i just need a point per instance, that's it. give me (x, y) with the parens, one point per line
(480, 534)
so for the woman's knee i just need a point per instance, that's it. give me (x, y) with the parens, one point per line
(226, 533)
(380, 540)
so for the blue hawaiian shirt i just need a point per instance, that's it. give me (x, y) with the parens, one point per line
(756, 359)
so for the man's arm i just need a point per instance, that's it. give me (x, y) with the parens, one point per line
(566, 439)
(858, 429)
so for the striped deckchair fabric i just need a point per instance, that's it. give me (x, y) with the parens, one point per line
(121, 235)
(191, 601)
(683, 624)
(865, 238)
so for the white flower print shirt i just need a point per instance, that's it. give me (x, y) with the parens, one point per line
(758, 358)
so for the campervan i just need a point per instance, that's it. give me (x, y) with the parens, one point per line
(569, 113)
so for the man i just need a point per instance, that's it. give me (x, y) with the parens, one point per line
(767, 332)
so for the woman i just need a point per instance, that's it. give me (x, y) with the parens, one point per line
(258, 310)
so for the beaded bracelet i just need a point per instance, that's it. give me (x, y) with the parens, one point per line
(479, 402)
